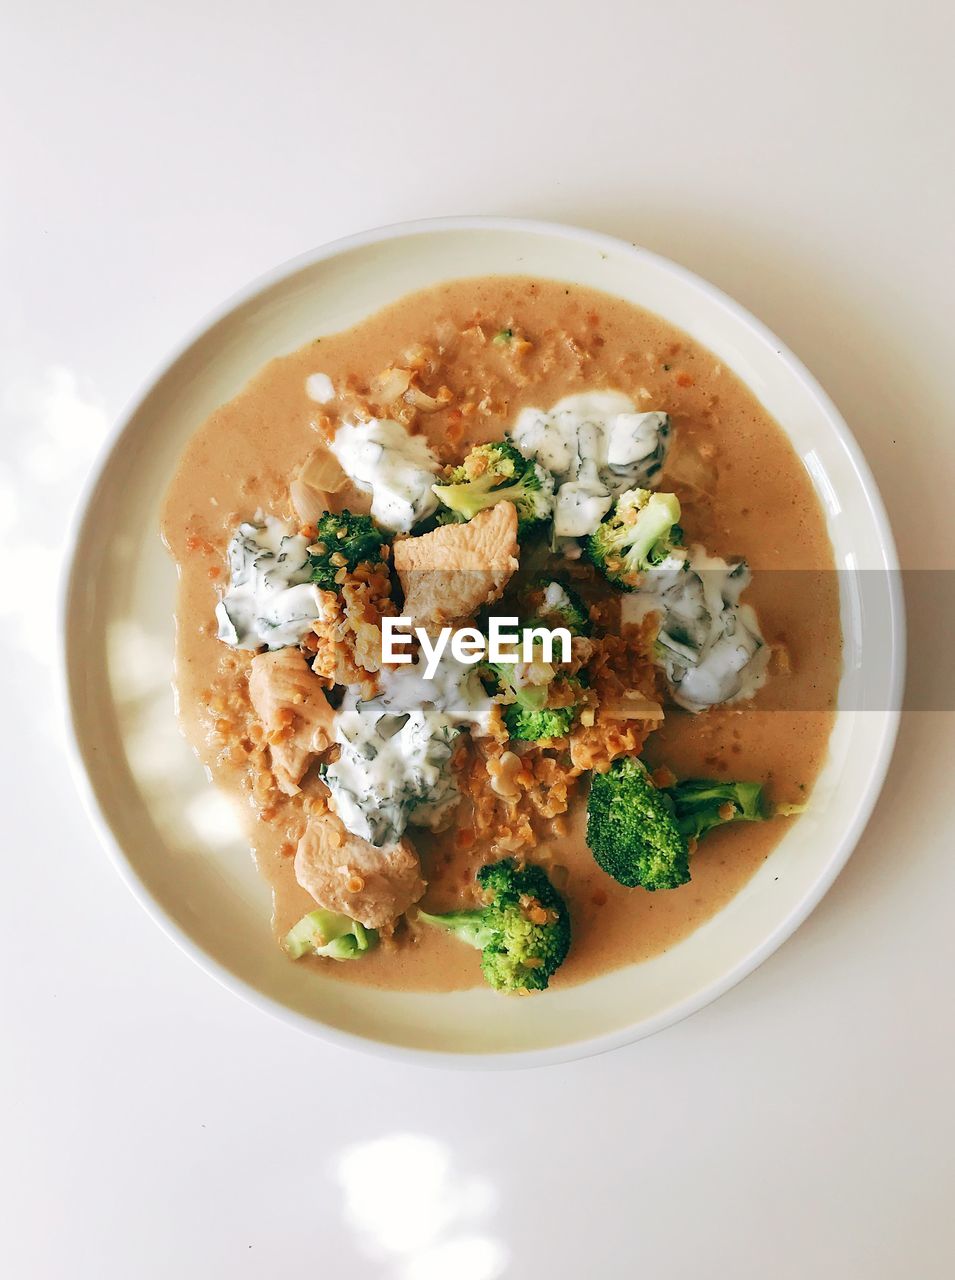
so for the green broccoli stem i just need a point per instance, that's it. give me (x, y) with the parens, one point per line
(467, 926)
(654, 523)
(468, 499)
(498, 472)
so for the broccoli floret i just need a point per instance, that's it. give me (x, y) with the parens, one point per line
(539, 726)
(503, 677)
(557, 605)
(523, 931)
(640, 834)
(701, 804)
(526, 713)
(632, 829)
(327, 933)
(497, 472)
(342, 541)
(637, 534)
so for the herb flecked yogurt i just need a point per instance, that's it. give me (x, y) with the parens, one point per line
(709, 645)
(395, 467)
(394, 763)
(388, 765)
(596, 445)
(270, 600)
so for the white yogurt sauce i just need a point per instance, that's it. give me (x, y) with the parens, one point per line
(455, 689)
(394, 765)
(709, 644)
(396, 468)
(269, 600)
(555, 597)
(320, 388)
(579, 507)
(388, 765)
(596, 445)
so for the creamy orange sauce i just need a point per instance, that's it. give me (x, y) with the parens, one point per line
(743, 492)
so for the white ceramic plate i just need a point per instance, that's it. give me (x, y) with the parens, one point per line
(175, 843)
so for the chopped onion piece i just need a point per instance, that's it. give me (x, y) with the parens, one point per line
(392, 384)
(631, 705)
(320, 476)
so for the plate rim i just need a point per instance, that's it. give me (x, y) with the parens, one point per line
(71, 573)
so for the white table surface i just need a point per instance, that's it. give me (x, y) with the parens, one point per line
(154, 157)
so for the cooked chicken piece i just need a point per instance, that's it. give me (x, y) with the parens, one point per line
(290, 702)
(449, 573)
(344, 873)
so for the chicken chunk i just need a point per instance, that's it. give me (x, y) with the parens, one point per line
(290, 701)
(344, 873)
(449, 573)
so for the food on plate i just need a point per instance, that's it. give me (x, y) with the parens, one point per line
(643, 834)
(374, 883)
(498, 472)
(507, 617)
(328, 933)
(522, 931)
(452, 571)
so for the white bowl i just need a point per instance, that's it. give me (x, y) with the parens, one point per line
(176, 845)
